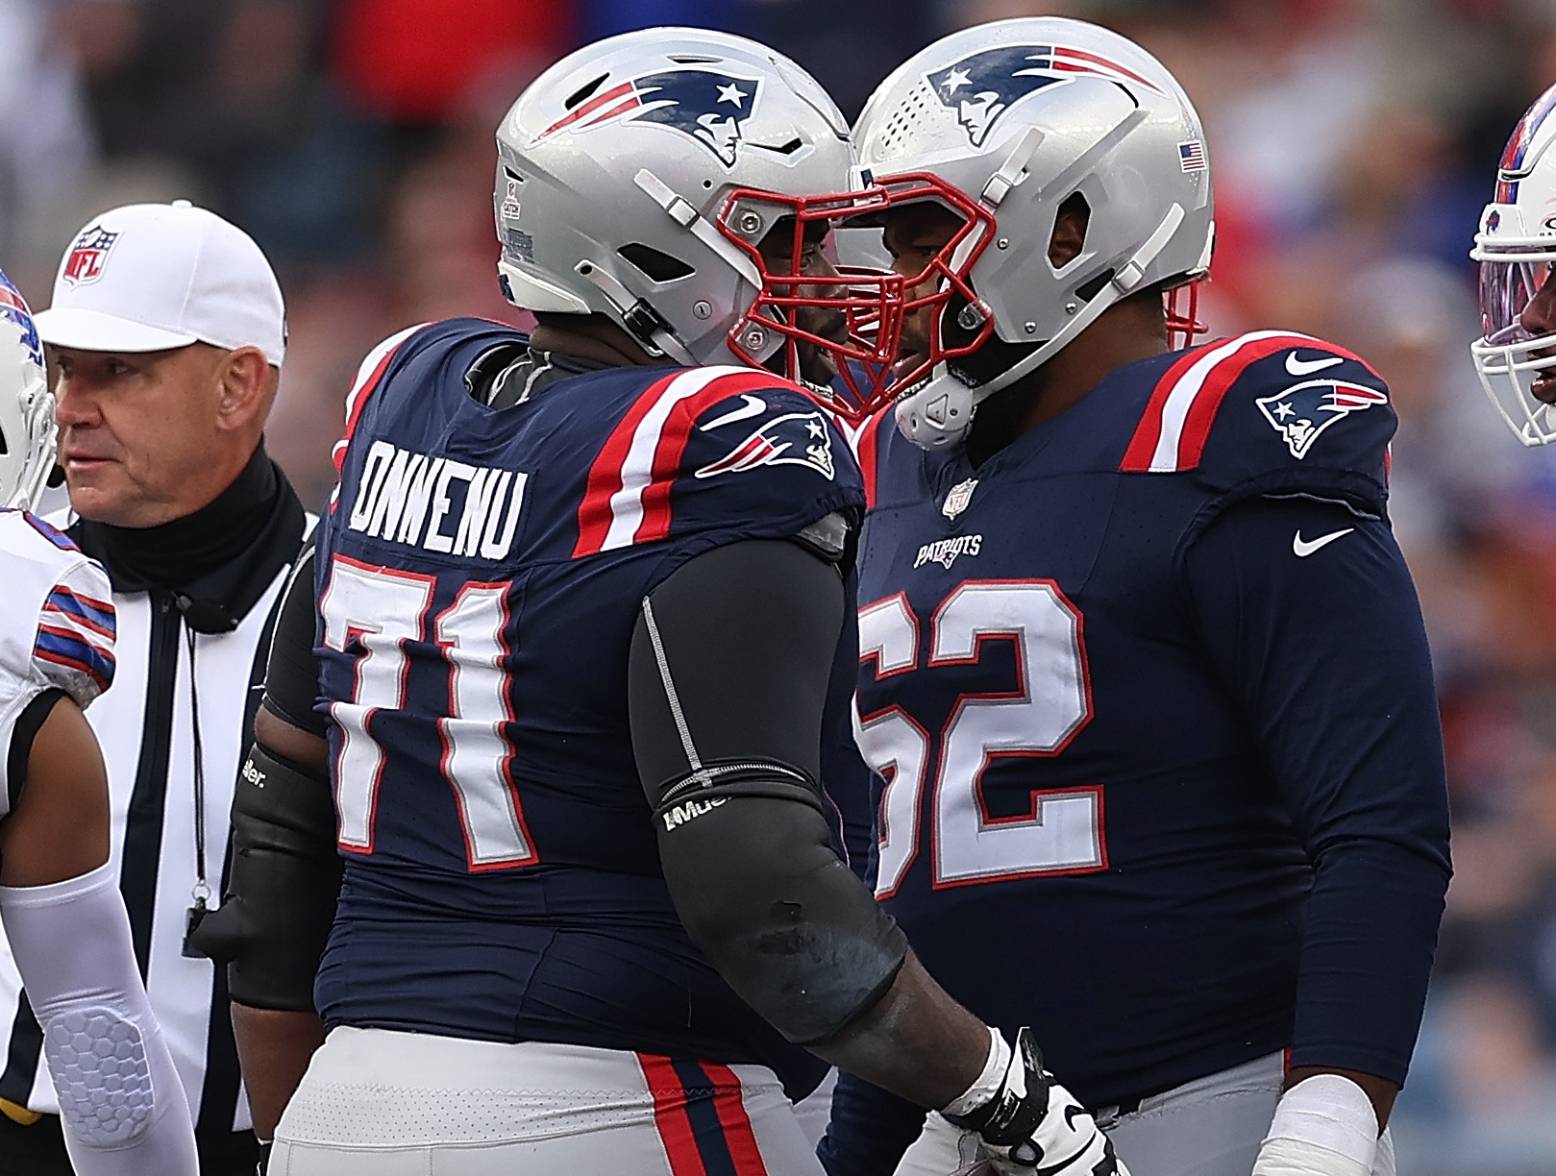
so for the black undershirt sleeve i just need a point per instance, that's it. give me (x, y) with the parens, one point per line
(749, 633)
(28, 724)
(292, 676)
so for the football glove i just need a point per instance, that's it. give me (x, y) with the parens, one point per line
(1033, 1123)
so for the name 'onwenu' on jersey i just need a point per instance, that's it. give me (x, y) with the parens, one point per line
(480, 573)
(1053, 749)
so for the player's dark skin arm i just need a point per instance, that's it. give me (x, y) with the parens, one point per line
(275, 1045)
(747, 637)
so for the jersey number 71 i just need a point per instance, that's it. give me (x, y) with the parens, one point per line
(379, 610)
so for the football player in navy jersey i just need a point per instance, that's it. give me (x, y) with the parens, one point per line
(1516, 246)
(1142, 675)
(581, 603)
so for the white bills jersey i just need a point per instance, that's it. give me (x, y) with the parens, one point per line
(56, 631)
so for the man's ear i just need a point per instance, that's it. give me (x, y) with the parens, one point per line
(1069, 236)
(247, 388)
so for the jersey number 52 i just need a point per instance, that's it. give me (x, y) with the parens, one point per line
(1062, 832)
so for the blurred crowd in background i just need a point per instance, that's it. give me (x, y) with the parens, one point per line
(1353, 142)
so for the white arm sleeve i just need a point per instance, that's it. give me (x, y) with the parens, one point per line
(121, 1104)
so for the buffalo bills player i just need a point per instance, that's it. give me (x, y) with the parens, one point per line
(122, 1106)
(1142, 670)
(582, 605)
(1516, 246)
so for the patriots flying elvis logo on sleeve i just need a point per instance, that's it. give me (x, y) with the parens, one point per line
(707, 105)
(982, 86)
(796, 438)
(1303, 411)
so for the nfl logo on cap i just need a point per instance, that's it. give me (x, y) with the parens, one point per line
(87, 255)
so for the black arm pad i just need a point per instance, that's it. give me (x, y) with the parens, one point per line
(727, 681)
(749, 861)
(275, 917)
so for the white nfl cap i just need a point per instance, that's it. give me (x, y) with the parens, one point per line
(151, 277)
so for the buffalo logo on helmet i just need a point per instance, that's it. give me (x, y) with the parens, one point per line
(982, 86)
(84, 263)
(13, 309)
(707, 105)
(1303, 411)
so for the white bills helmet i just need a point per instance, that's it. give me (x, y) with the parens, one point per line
(27, 433)
(1003, 123)
(1515, 247)
(636, 178)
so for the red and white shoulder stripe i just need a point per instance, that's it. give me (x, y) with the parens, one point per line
(627, 497)
(1178, 418)
(369, 373)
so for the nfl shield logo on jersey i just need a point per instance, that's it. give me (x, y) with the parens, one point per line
(956, 501)
(84, 265)
(1300, 413)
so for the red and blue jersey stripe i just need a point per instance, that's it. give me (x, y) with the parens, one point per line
(77, 632)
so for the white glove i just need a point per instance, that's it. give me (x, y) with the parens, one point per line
(1027, 1121)
(1324, 1126)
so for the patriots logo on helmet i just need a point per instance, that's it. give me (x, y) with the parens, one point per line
(796, 438)
(13, 309)
(1303, 411)
(707, 105)
(84, 263)
(982, 86)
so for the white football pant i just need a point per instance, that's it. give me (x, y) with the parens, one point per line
(380, 1103)
(1209, 1127)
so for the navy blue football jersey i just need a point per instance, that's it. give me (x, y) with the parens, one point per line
(479, 573)
(1124, 689)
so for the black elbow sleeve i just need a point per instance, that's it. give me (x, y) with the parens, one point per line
(763, 895)
(275, 917)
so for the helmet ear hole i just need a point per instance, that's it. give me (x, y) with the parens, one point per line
(1072, 220)
(654, 264)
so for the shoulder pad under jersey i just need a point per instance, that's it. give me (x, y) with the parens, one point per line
(1270, 412)
(716, 451)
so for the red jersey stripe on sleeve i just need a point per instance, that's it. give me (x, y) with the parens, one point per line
(627, 496)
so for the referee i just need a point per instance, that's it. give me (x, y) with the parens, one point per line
(167, 332)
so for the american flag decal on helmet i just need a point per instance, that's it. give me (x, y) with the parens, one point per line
(707, 105)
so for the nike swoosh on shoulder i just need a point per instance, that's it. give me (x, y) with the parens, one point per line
(1306, 367)
(750, 406)
(1303, 547)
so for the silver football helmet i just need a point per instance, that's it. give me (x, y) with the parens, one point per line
(1516, 246)
(644, 178)
(27, 432)
(1003, 123)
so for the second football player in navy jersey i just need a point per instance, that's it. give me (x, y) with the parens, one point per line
(1142, 675)
(582, 604)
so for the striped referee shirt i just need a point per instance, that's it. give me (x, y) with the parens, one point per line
(180, 683)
